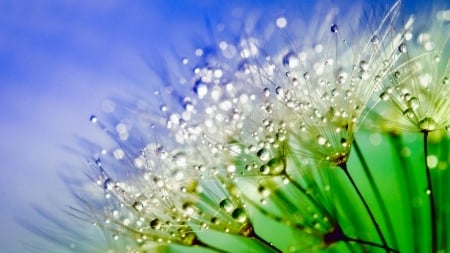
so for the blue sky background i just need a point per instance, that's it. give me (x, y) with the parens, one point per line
(58, 61)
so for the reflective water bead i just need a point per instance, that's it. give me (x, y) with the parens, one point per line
(375, 39)
(226, 205)
(290, 60)
(263, 154)
(306, 76)
(276, 166)
(364, 65)
(321, 140)
(155, 224)
(408, 113)
(93, 119)
(189, 208)
(334, 28)
(402, 48)
(413, 103)
(428, 124)
(138, 205)
(239, 215)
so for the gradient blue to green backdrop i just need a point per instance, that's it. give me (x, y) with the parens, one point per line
(59, 60)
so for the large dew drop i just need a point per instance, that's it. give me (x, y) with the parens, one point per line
(239, 215)
(155, 224)
(263, 154)
(427, 124)
(226, 205)
(276, 166)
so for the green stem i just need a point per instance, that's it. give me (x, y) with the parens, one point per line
(377, 245)
(376, 191)
(261, 240)
(199, 243)
(434, 241)
(410, 184)
(363, 200)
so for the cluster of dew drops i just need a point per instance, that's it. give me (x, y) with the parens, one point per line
(228, 127)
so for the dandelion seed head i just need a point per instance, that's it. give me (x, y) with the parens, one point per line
(413, 98)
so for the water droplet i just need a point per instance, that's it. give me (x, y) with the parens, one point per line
(291, 60)
(428, 192)
(115, 237)
(428, 124)
(408, 113)
(263, 154)
(239, 215)
(155, 224)
(93, 119)
(138, 205)
(264, 191)
(188, 208)
(334, 28)
(276, 166)
(413, 103)
(321, 140)
(364, 65)
(108, 184)
(201, 90)
(344, 142)
(306, 76)
(226, 205)
(264, 169)
(375, 39)
(402, 48)
(384, 96)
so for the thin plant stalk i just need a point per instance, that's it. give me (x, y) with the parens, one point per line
(363, 242)
(343, 166)
(376, 192)
(261, 240)
(410, 184)
(429, 191)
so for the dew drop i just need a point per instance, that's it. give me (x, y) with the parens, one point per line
(413, 103)
(291, 60)
(306, 76)
(321, 140)
(155, 224)
(402, 48)
(408, 113)
(427, 124)
(93, 119)
(188, 208)
(364, 65)
(334, 28)
(264, 191)
(108, 184)
(239, 215)
(384, 96)
(226, 205)
(264, 169)
(138, 205)
(263, 154)
(375, 39)
(276, 166)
